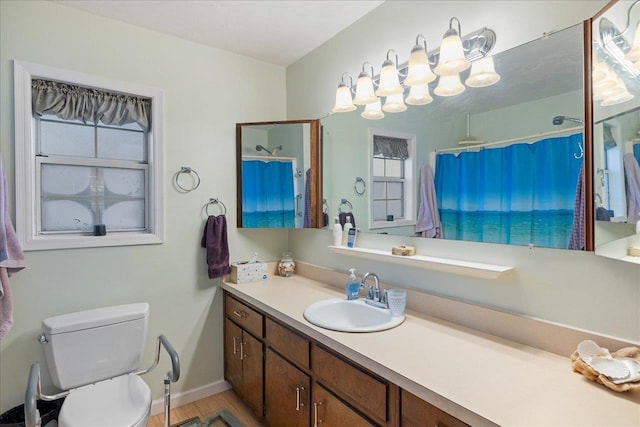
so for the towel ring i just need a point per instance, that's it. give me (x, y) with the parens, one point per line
(215, 201)
(363, 187)
(345, 202)
(187, 169)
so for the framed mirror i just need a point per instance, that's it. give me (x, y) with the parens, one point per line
(278, 174)
(526, 131)
(616, 130)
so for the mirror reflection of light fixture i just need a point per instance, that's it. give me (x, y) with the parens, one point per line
(372, 111)
(634, 53)
(452, 59)
(419, 71)
(394, 104)
(389, 80)
(344, 103)
(469, 140)
(419, 95)
(483, 73)
(449, 85)
(364, 88)
(416, 74)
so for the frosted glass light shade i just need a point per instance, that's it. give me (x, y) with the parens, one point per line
(449, 85)
(344, 103)
(389, 82)
(419, 95)
(598, 71)
(619, 99)
(483, 73)
(634, 53)
(364, 90)
(636, 65)
(372, 111)
(394, 104)
(419, 70)
(452, 58)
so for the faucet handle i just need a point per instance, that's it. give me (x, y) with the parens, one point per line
(370, 293)
(383, 296)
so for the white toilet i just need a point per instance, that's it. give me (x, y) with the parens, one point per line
(95, 355)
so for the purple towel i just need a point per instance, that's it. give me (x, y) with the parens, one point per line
(576, 241)
(11, 257)
(307, 200)
(632, 174)
(428, 220)
(214, 239)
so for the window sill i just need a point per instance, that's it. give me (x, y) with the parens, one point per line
(463, 268)
(71, 242)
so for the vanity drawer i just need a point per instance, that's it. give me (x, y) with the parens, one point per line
(364, 391)
(416, 412)
(291, 345)
(245, 317)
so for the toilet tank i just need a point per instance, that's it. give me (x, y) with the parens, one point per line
(94, 345)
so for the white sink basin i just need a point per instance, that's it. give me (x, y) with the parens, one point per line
(344, 315)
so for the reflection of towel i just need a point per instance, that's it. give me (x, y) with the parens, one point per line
(576, 240)
(428, 221)
(307, 200)
(603, 214)
(214, 238)
(632, 174)
(344, 216)
(11, 257)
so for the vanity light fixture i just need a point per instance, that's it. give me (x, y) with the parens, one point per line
(372, 111)
(634, 53)
(416, 74)
(452, 59)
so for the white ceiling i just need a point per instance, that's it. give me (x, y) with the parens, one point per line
(278, 32)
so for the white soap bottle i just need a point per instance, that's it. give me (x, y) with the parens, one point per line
(337, 232)
(345, 235)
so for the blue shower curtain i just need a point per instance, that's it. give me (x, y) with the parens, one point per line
(520, 194)
(636, 151)
(267, 194)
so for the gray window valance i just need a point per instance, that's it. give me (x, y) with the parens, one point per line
(70, 102)
(390, 147)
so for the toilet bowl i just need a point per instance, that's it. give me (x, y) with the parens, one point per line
(124, 401)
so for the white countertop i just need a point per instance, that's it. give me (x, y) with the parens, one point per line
(479, 378)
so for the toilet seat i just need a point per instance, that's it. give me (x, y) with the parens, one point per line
(123, 401)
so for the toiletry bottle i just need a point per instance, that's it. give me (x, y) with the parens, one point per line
(352, 288)
(345, 233)
(337, 232)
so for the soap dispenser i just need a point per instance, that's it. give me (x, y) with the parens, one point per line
(352, 288)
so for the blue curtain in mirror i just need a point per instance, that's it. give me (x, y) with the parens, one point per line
(636, 151)
(267, 194)
(520, 194)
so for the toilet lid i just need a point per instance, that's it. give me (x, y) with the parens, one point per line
(120, 402)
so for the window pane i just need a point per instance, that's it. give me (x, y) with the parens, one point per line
(395, 208)
(394, 190)
(121, 144)
(67, 180)
(123, 182)
(378, 191)
(379, 210)
(378, 167)
(67, 215)
(394, 168)
(66, 139)
(124, 215)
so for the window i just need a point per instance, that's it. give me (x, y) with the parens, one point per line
(392, 176)
(88, 152)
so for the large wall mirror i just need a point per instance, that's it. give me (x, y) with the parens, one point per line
(278, 174)
(616, 130)
(518, 187)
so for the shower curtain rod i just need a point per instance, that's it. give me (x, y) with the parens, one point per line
(506, 141)
(268, 158)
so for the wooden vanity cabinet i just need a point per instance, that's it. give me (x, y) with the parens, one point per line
(330, 411)
(415, 412)
(286, 394)
(243, 353)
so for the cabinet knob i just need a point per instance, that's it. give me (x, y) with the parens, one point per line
(299, 404)
(239, 313)
(316, 420)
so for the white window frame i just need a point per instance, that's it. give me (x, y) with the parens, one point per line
(27, 195)
(409, 182)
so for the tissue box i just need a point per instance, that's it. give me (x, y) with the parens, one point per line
(245, 272)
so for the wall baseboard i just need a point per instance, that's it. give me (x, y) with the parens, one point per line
(188, 396)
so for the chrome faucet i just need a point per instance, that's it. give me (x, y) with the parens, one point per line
(375, 297)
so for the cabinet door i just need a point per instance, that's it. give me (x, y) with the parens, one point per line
(287, 391)
(252, 372)
(329, 411)
(416, 412)
(232, 362)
